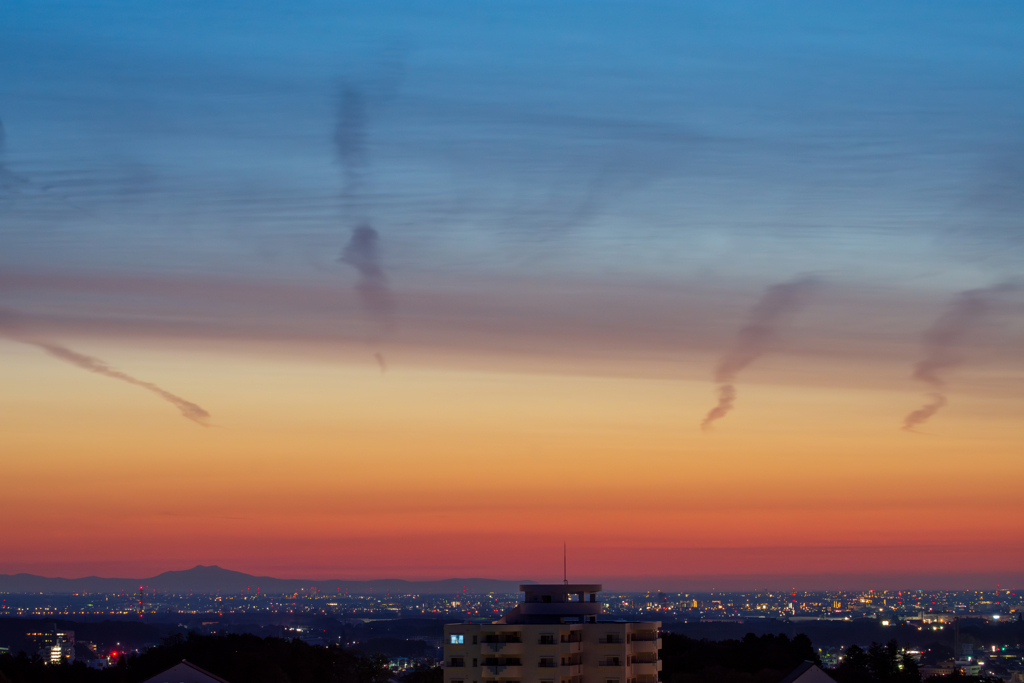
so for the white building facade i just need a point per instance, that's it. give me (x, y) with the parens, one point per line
(556, 635)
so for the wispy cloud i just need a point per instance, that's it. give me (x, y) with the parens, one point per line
(363, 253)
(754, 338)
(350, 142)
(187, 408)
(942, 346)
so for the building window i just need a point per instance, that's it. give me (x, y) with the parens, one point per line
(547, 639)
(474, 661)
(457, 639)
(457, 663)
(474, 641)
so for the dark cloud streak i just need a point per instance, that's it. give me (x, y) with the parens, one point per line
(942, 346)
(350, 142)
(187, 408)
(363, 253)
(754, 338)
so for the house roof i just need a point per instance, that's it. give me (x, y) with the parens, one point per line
(808, 672)
(185, 672)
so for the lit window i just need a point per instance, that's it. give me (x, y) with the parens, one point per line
(458, 639)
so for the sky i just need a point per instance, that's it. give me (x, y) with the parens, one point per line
(723, 294)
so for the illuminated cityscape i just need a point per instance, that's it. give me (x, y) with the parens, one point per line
(927, 609)
(321, 618)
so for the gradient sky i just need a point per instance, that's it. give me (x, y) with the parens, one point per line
(576, 209)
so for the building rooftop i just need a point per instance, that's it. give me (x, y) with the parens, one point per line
(560, 587)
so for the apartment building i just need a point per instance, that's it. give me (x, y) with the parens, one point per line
(556, 635)
(54, 646)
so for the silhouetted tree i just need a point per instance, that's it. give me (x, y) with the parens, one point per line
(883, 661)
(936, 652)
(910, 672)
(423, 674)
(855, 667)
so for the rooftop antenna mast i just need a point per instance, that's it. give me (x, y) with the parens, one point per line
(565, 573)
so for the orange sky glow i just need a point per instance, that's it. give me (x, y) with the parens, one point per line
(319, 469)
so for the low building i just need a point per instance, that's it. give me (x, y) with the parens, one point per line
(941, 669)
(556, 635)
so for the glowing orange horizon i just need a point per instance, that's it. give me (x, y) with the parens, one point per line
(313, 469)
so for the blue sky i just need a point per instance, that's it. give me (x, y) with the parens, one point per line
(725, 146)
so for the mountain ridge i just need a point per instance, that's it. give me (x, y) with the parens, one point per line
(211, 579)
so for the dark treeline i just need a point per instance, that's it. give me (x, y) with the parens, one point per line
(771, 657)
(878, 664)
(393, 637)
(239, 658)
(886, 664)
(393, 647)
(754, 659)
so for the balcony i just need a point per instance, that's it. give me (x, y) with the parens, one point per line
(647, 668)
(645, 644)
(508, 648)
(501, 671)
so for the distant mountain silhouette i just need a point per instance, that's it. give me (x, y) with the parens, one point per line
(214, 579)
